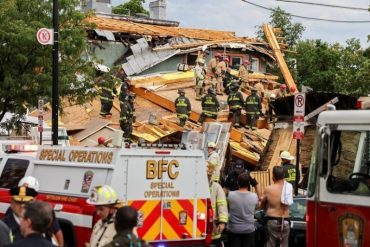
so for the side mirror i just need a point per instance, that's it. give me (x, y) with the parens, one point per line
(322, 160)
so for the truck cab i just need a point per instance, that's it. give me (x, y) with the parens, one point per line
(338, 206)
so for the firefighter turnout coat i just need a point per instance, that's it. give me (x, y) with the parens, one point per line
(219, 206)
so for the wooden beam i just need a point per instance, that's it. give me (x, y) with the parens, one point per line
(269, 33)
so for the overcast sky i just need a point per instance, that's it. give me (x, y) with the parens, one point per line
(242, 17)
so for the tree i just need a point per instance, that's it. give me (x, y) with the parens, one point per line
(26, 65)
(132, 7)
(317, 64)
(351, 76)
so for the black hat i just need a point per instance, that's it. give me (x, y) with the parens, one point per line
(22, 194)
(181, 91)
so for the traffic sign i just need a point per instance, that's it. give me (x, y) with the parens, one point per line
(299, 107)
(299, 111)
(298, 130)
(45, 36)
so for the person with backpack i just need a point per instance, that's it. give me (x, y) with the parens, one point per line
(124, 223)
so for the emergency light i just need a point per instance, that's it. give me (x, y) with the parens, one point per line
(19, 148)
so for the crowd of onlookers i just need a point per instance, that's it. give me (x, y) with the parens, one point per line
(235, 204)
(32, 223)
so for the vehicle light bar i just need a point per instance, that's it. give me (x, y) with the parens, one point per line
(156, 145)
(19, 148)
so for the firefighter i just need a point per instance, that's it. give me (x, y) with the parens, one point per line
(243, 73)
(127, 117)
(219, 206)
(200, 75)
(183, 107)
(272, 100)
(105, 200)
(26, 191)
(214, 159)
(210, 106)
(125, 223)
(260, 88)
(228, 80)
(220, 74)
(215, 72)
(289, 169)
(235, 102)
(253, 109)
(107, 89)
(281, 92)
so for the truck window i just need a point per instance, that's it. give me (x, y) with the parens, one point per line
(13, 171)
(349, 171)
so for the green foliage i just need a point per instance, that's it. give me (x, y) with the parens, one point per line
(132, 7)
(26, 65)
(334, 68)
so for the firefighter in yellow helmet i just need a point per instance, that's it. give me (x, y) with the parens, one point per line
(219, 206)
(105, 200)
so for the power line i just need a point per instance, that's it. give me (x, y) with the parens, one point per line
(325, 5)
(306, 17)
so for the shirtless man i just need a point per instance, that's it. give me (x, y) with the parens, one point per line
(277, 214)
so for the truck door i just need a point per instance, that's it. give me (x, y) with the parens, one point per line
(343, 208)
(167, 199)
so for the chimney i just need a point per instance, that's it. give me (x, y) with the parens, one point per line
(100, 6)
(158, 9)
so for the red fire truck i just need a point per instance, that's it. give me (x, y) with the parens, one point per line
(338, 207)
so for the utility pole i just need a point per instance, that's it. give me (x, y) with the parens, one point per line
(55, 85)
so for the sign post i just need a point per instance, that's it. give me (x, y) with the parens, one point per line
(41, 118)
(298, 130)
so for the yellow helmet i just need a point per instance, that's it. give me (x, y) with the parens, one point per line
(102, 195)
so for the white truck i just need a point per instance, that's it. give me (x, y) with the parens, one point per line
(168, 187)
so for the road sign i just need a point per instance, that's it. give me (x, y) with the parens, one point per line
(45, 36)
(299, 107)
(298, 130)
(299, 111)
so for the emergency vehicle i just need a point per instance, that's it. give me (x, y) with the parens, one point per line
(338, 207)
(168, 187)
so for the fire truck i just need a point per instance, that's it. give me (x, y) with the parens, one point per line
(338, 206)
(168, 187)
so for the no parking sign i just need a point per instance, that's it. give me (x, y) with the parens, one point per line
(45, 36)
(299, 112)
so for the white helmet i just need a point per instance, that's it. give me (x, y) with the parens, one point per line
(102, 195)
(211, 145)
(101, 67)
(272, 96)
(30, 182)
(200, 60)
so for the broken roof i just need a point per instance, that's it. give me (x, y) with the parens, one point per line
(115, 24)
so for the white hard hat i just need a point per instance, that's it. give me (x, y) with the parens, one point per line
(200, 60)
(286, 156)
(102, 195)
(101, 67)
(273, 96)
(30, 182)
(211, 145)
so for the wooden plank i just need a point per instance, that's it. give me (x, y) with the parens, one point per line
(269, 33)
(282, 144)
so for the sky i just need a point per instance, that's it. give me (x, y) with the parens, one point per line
(242, 17)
